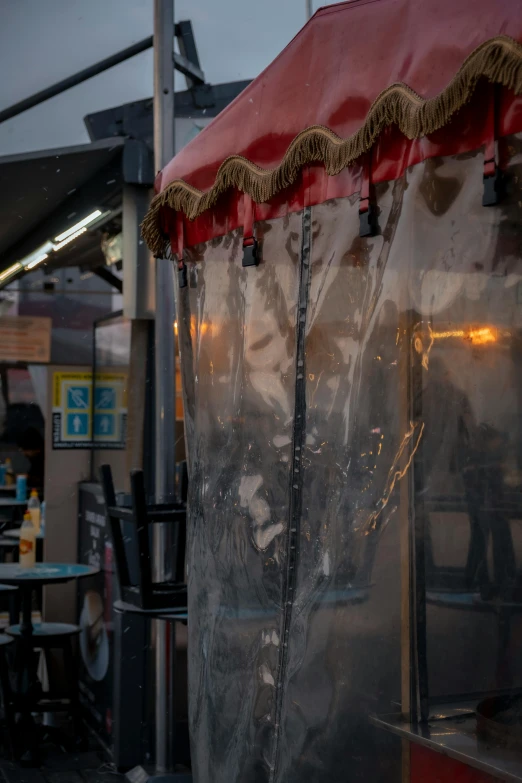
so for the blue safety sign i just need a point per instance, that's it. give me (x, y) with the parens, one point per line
(77, 425)
(105, 398)
(81, 422)
(78, 397)
(104, 425)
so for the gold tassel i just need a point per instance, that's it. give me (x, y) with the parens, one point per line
(499, 60)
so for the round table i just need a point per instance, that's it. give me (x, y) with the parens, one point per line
(28, 579)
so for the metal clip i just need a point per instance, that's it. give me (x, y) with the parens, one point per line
(182, 275)
(250, 252)
(368, 225)
(493, 189)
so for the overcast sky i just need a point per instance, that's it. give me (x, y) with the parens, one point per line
(43, 41)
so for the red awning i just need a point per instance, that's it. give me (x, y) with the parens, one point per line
(354, 75)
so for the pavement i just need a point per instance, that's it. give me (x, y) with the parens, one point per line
(90, 766)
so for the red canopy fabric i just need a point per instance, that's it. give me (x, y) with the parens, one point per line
(330, 75)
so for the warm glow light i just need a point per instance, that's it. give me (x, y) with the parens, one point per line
(477, 336)
(481, 336)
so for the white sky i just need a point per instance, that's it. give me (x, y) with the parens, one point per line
(44, 41)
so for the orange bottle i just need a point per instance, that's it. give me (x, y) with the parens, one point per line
(27, 557)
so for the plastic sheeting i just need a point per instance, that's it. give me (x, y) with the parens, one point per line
(342, 390)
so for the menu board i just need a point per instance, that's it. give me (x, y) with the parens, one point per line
(24, 339)
(95, 599)
(114, 647)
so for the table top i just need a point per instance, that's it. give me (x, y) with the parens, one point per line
(44, 573)
(8, 488)
(7, 502)
(467, 600)
(15, 533)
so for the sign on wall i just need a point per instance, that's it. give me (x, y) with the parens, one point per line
(25, 339)
(81, 422)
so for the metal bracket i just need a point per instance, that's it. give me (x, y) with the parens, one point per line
(250, 253)
(182, 276)
(493, 189)
(368, 225)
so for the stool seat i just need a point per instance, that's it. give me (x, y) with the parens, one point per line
(5, 640)
(168, 613)
(46, 631)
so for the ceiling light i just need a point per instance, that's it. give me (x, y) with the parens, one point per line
(38, 255)
(85, 222)
(36, 261)
(69, 239)
(10, 272)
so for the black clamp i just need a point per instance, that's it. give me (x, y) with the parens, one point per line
(182, 274)
(250, 252)
(368, 225)
(493, 188)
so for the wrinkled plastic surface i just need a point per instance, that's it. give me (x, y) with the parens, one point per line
(413, 389)
(242, 324)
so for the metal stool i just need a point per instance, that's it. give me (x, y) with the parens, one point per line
(7, 694)
(132, 553)
(164, 601)
(47, 637)
(171, 617)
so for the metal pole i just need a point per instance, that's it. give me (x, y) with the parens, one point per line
(309, 9)
(164, 358)
(77, 78)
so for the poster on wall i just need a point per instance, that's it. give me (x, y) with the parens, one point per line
(24, 339)
(95, 599)
(81, 422)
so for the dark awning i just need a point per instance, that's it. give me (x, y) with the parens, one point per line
(44, 193)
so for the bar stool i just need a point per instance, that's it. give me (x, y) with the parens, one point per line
(166, 601)
(133, 557)
(47, 637)
(7, 696)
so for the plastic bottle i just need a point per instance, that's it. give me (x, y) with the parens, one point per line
(9, 475)
(42, 518)
(27, 542)
(2, 474)
(21, 487)
(33, 508)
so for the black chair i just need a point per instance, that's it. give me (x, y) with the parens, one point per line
(7, 697)
(131, 529)
(132, 551)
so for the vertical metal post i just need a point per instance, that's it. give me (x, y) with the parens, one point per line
(164, 360)
(309, 9)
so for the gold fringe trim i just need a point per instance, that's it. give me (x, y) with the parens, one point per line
(499, 60)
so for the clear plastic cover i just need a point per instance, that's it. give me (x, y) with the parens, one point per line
(346, 391)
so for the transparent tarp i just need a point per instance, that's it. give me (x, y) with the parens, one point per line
(343, 398)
